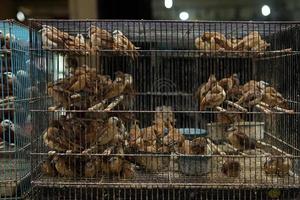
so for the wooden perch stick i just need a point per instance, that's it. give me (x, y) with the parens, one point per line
(235, 149)
(221, 109)
(237, 106)
(75, 96)
(273, 147)
(279, 109)
(98, 106)
(262, 108)
(214, 147)
(114, 103)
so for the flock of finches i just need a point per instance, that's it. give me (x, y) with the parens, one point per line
(105, 133)
(8, 83)
(97, 40)
(217, 42)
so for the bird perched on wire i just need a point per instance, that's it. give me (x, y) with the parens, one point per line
(252, 93)
(273, 98)
(214, 97)
(205, 87)
(124, 46)
(231, 86)
(218, 38)
(240, 140)
(100, 38)
(53, 38)
(118, 86)
(252, 42)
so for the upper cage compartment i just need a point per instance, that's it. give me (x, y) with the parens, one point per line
(167, 60)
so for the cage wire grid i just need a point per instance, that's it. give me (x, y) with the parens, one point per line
(14, 105)
(115, 104)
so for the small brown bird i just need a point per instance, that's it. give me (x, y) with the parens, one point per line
(111, 130)
(115, 165)
(164, 115)
(186, 147)
(118, 86)
(63, 168)
(135, 134)
(100, 38)
(198, 146)
(128, 171)
(48, 168)
(202, 45)
(90, 169)
(228, 83)
(274, 98)
(252, 42)
(148, 135)
(59, 95)
(213, 98)
(279, 166)
(219, 39)
(80, 83)
(205, 87)
(231, 168)
(124, 46)
(240, 140)
(252, 93)
(51, 139)
(174, 138)
(229, 117)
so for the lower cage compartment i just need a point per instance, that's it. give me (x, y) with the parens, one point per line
(155, 193)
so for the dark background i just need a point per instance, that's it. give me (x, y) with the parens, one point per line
(151, 9)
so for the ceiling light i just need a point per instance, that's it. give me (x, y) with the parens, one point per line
(168, 3)
(265, 10)
(20, 16)
(184, 15)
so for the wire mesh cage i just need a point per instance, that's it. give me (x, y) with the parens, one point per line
(15, 118)
(141, 104)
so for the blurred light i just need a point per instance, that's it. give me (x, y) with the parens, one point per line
(184, 15)
(20, 16)
(265, 10)
(168, 3)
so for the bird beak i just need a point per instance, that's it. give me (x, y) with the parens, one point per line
(12, 127)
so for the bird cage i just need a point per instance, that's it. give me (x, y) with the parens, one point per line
(167, 109)
(15, 118)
